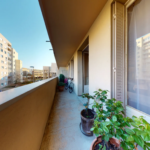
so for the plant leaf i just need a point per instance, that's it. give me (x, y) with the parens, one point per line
(130, 138)
(114, 118)
(129, 131)
(139, 140)
(106, 129)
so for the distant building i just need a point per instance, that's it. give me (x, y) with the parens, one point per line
(46, 72)
(19, 73)
(8, 57)
(54, 70)
(38, 73)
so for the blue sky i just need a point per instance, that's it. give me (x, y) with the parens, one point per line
(21, 22)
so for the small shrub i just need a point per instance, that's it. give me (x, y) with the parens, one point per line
(61, 84)
(61, 78)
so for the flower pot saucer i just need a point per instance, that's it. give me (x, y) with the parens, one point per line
(87, 134)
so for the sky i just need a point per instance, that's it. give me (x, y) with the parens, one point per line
(21, 23)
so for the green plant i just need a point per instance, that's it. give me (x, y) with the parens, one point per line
(61, 84)
(110, 122)
(86, 105)
(99, 99)
(61, 78)
(139, 134)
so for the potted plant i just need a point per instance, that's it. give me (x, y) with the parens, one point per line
(87, 117)
(61, 86)
(61, 78)
(109, 126)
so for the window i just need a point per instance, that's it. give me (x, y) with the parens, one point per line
(138, 73)
(1, 45)
(5, 78)
(5, 52)
(5, 83)
(2, 67)
(2, 56)
(2, 84)
(5, 72)
(2, 61)
(1, 50)
(2, 78)
(5, 58)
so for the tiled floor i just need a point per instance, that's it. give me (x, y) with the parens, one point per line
(62, 131)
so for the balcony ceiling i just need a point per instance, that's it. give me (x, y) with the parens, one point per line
(67, 22)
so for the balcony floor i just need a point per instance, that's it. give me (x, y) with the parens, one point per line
(62, 131)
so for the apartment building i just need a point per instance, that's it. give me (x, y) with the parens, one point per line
(8, 57)
(38, 73)
(54, 70)
(46, 72)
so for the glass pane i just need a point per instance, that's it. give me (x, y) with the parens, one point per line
(138, 77)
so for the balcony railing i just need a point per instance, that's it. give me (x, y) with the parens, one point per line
(24, 113)
(9, 48)
(9, 44)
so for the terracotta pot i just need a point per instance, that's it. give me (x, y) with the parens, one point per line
(86, 124)
(61, 88)
(98, 140)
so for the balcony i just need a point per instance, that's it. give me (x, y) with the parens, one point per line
(63, 125)
(9, 48)
(9, 44)
(26, 110)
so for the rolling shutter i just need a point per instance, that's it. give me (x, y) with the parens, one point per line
(118, 51)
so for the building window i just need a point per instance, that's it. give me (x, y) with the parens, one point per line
(5, 52)
(2, 67)
(1, 56)
(1, 50)
(2, 61)
(2, 84)
(5, 58)
(1, 45)
(5, 83)
(138, 62)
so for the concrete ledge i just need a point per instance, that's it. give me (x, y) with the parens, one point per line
(9, 97)
(24, 114)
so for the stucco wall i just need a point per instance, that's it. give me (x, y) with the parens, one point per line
(22, 124)
(99, 52)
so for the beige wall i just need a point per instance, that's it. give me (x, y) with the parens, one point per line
(22, 124)
(99, 53)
